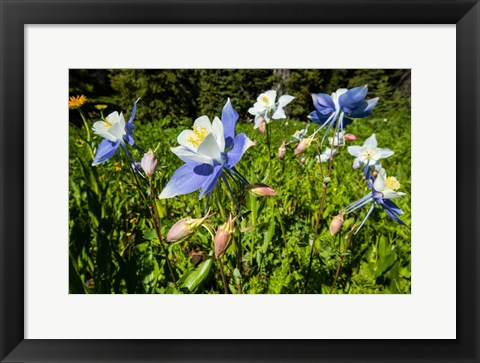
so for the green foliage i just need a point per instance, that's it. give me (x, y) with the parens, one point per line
(113, 244)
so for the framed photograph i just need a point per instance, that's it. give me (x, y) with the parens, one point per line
(239, 181)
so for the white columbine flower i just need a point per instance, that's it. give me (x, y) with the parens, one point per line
(112, 128)
(204, 143)
(387, 185)
(266, 109)
(369, 153)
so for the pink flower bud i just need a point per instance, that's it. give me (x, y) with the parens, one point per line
(302, 145)
(282, 150)
(261, 190)
(262, 127)
(350, 137)
(184, 228)
(302, 160)
(149, 163)
(336, 224)
(222, 237)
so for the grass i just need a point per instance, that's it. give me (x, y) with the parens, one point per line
(114, 248)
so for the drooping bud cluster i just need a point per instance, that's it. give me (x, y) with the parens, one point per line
(222, 237)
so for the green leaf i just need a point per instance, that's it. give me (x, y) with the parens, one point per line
(195, 278)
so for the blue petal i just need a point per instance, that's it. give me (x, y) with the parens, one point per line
(317, 117)
(323, 103)
(229, 120)
(238, 149)
(353, 98)
(393, 206)
(364, 109)
(129, 127)
(391, 211)
(186, 179)
(368, 177)
(128, 136)
(134, 110)
(347, 121)
(212, 180)
(105, 151)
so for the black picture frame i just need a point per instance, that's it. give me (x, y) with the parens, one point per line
(15, 14)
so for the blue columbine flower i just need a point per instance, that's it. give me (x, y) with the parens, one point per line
(208, 150)
(115, 132)
(341, 106)
(383, 189)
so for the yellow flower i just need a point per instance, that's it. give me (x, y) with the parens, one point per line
(101, 107)
(76, 101)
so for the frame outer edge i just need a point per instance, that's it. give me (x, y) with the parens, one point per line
(11, 208)
(468, 203)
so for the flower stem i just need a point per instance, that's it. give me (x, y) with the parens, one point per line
(322, 205)
(220, 264)
(342, 256)
(158, 230)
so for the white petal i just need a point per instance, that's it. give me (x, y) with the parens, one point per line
(184, 137)
(258, 121)
(356, 163)
(113, 118)
(285, 100)
(371, 141)
(117, 131)
(185, 153)
(386, 152)
(380, 183)
(378, 165)
(100, 128)
(217, 130)
(203, 121)
(259, 107)
(390, 194)
(121, 120)
(252, 111)
(209, 147)
(270, 97)
(279, 114)
(354, 150)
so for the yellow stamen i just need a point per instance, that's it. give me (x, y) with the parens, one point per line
(265, 99)
(392, 183)
(199, 134)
